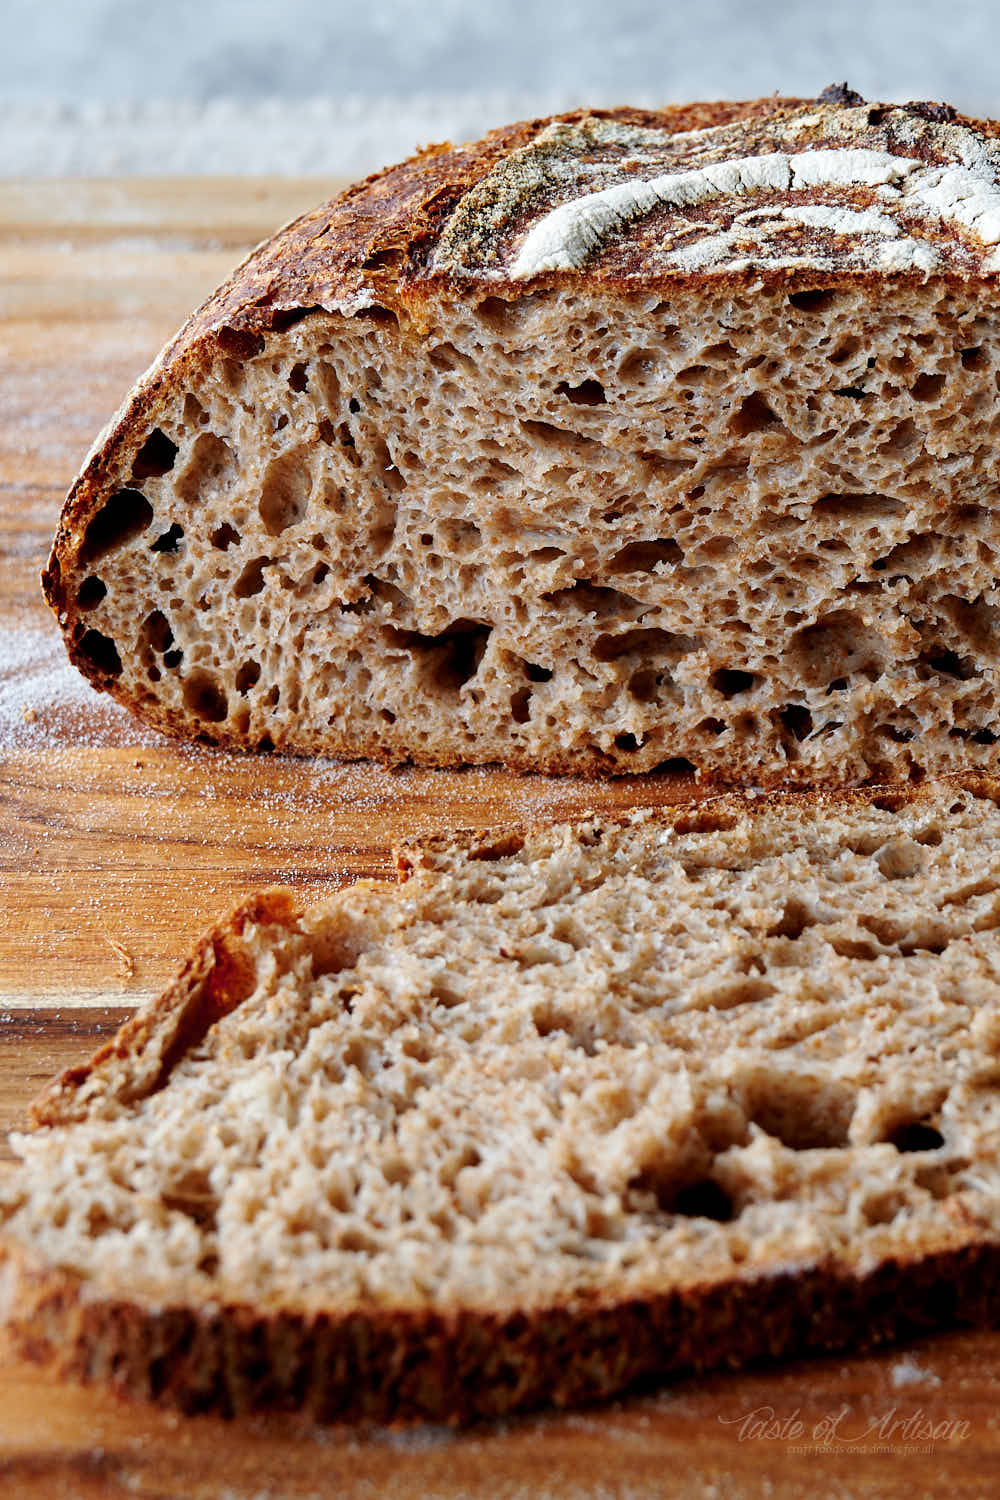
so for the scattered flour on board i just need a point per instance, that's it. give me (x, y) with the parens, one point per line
(906, 1372)
(46, 703)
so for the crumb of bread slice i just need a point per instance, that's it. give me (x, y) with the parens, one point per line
(566, 1108)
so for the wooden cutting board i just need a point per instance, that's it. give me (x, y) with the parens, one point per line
(118, 847)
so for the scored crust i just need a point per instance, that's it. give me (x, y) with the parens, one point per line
(445, 1360)
(413, 592)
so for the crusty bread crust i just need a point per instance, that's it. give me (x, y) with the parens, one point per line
(454, 1363)
(463, 1367)
(138, 1059)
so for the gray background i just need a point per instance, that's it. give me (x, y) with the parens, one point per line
(257, 85)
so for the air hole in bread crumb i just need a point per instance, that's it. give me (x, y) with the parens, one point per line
(155, 632)
(627, 743)
(805, 1113)
(795, 919)
(652, 642)
(192, 1196)
(882, 1208)
(927, 387)
(844, 351)
(240, 343)
(972, 359)
(587, 393)
(754, 415)
(504, 847)
(170, 540)
(858, 948)
(949, 664)
(298, 376)
(711, 726)
(644, 684)
(101, 651)
(797, 720)
(452, 657)
(729, 681)
(647, 557)
(224, 537)
(460, 537)
(859, 507)
(92, 590)
(548, 434)
(155, 457)
(974, 736)
(702, 1199)
(445, 356)
(817, 299)
(916, 1135)
(204, 698)
(247, 676)
(705, 820)
(251, 580)
(676, 766)
(122, 518)
(590, 598)
(210, 468)
(836, 646)
(900, 859)
(500, 315)
(285, 492)
(520, 706)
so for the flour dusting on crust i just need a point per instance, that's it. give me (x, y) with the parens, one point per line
(866, 188)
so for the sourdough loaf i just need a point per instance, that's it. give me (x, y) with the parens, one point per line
(614, 439)
(566, 1109)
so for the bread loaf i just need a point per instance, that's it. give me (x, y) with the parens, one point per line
(566, 1109)
(612, 440)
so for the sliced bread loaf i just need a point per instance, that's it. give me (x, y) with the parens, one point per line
(564, 1110)
(609, 440)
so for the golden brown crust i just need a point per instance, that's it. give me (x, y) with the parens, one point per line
(387, 1366)
(139, 1057)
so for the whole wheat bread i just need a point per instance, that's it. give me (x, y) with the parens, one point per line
(566, 1109)
(610, 440)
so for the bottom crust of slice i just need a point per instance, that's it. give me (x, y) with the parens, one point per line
(465, 1365)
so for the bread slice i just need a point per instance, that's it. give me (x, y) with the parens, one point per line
(567, 1109)
(612, 439)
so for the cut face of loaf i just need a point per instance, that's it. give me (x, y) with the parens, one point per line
(610, 441)
(566, 1109)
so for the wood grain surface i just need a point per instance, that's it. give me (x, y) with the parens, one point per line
(117, 847)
